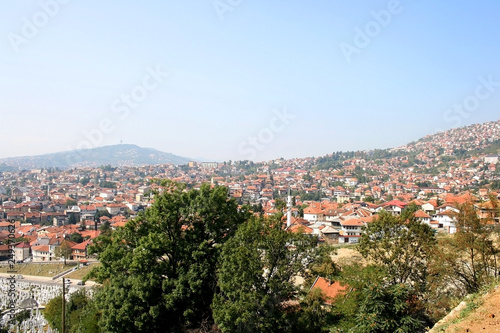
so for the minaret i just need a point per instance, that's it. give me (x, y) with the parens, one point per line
(289, 210)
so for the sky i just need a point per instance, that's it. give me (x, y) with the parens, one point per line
(239, 79)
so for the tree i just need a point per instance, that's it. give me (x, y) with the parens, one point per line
(256, 277)
(105, 228)
(72, 218)
(84, 181)
(81, 315)
(307, 177)
(314, 317)
(76, 237)
(469, 258)
(387, 308)
(64, 251)
(107, 184)
(71, 202)
(280, 205)
(373, 304)
(401, 245)
(160, 269)
(53, 312)
(101, 213)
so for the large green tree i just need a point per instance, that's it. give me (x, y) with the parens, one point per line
(159, 271)
(388, 295)
(256, 275)
(401, 245)
(372, 304)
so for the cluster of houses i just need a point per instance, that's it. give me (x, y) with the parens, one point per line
(342, 191)
(39, 243)
(336, 223)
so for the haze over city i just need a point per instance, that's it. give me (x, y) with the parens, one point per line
(243, 79)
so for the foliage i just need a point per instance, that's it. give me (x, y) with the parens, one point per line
(101, 213)
(108, 168)
(386, 296)
(387, 308)
(314, 316)
(63, 251)
(71, 202)
(107, 184)
(323, 266)
(495, 184)
(81, 316)
(401, 245)
(84, 181)
(72, 219)
(280, 205)
(256, 277)
(314, 196)
(469, 258)
(372, 304)
(159, 270)
(307, 177)
(105, 228)
(53, 312)
(76, 237)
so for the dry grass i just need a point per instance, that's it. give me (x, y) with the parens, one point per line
(479, 314)
(49, 270)
(348, 255)
(80, 273)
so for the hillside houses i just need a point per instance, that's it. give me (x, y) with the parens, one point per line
(334, 195)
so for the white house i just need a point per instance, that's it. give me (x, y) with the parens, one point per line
(313, 214)
(41, 253)
(447, 221)
(21, 251)
(350, 231)
(423, 217)
(428, 208)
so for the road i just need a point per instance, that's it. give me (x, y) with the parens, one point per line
(48, 280)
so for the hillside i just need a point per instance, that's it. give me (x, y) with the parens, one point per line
(432, 154)
(116, 155)
(475, 314)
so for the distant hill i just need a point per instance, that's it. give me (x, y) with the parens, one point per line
(456, 143)
(116, 155)
(5, 167)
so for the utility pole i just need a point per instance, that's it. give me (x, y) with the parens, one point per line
(64, 307)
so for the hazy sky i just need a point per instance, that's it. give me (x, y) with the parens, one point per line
(243, 79)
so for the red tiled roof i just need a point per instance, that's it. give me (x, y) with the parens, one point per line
(40, 248)
(421, 214)
(331, 290)
(23, 245)
(81, 246)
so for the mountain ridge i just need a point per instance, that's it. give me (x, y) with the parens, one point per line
(115, 155)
